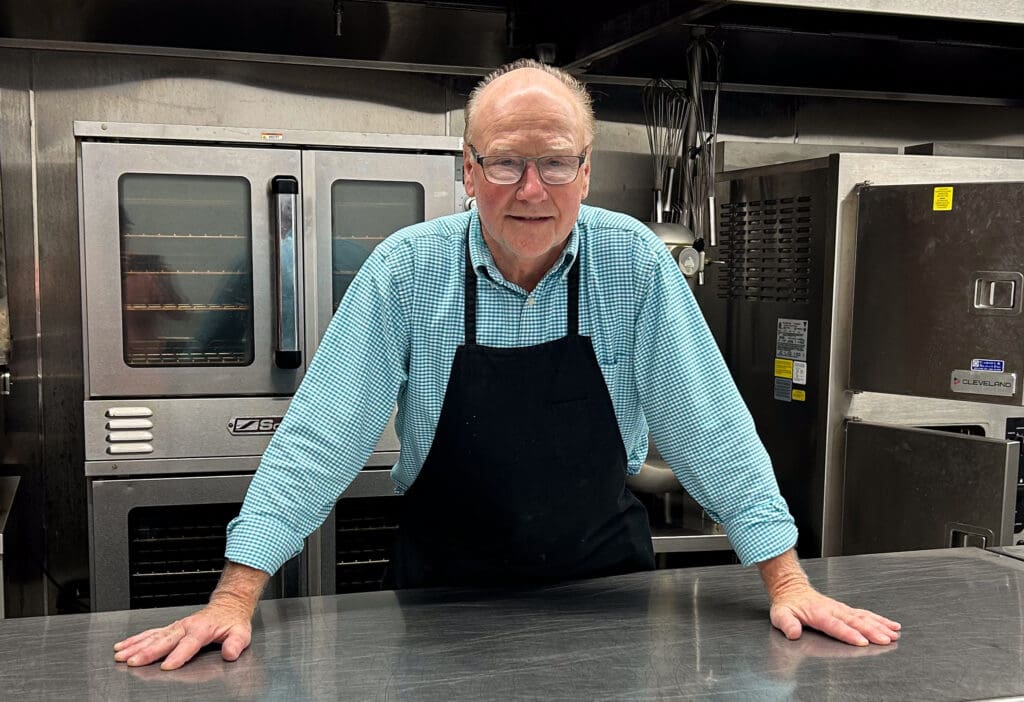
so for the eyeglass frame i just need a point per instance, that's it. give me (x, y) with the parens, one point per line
(526, 161)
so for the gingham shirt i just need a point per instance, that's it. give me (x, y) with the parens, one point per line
(394, 337)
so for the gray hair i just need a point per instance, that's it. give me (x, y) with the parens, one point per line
(578, 90)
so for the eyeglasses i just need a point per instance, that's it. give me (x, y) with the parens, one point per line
(508, 170)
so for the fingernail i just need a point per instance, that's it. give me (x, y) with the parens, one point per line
(133, 660)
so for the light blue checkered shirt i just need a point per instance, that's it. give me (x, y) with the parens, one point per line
(394, 337)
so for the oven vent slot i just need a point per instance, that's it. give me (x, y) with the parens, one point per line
(365, 530)
(765, 246)
(176, 553)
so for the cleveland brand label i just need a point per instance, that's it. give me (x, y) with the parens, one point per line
(247, 426)
(983, 383)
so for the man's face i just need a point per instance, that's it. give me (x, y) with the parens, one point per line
(526, 113)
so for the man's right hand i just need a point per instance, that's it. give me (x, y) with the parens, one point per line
(227, 620)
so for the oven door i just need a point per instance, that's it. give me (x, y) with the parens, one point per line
(355, 201)
(181, 245)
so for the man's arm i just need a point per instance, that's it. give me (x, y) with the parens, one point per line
(226, 620)
(796, 604)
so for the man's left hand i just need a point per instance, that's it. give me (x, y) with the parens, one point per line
(791, 611)
(796, 604)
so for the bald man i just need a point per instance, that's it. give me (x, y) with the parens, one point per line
(531, 345)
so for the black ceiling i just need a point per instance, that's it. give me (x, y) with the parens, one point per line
(769, 48)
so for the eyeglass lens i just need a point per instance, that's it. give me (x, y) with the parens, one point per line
(554, 170)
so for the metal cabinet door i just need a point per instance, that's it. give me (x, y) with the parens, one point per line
(181, 270)
(354, 200)
(908, 488)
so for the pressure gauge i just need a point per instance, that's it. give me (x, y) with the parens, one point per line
(689, 260)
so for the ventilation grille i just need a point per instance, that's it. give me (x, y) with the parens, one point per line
(765, 246)
(365, 532)
(176, 553)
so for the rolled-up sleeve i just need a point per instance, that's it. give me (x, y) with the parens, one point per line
(332, 425)
(700, 423)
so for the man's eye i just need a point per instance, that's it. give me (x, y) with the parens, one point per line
(507, 162)
(556, 162)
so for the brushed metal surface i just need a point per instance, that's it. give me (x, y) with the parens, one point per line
(909, 488)
(1010, 11)
(917, 323)
(109, 374)
(268, 135)
(676, 634)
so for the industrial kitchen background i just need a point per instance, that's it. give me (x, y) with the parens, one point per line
(162, 160)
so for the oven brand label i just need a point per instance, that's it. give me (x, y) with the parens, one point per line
(247, 426)
(983, 383)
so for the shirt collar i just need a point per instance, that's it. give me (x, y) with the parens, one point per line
(483, 261)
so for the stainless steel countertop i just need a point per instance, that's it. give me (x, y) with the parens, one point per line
(669, 634)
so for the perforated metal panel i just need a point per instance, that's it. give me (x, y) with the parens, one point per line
(765, 247)
(176, 553)
(364, 536)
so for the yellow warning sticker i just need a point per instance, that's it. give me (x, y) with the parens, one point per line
(783, 368)
(942, 199)
(800, 395)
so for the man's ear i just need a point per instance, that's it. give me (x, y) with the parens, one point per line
(467, 172)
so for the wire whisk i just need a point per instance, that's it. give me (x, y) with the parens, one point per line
(666, 111)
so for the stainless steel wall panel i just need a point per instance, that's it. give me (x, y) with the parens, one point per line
(27, 591)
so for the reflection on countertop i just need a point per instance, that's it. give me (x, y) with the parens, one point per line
(701, 632)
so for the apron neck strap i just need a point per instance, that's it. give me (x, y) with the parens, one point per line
(572, 302)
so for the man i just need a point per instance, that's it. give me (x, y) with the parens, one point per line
(530, 346)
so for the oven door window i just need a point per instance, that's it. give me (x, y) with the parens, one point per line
(363, 213)
(186, 270)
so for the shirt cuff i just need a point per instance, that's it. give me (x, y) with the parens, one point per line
(759, 537)
(261, 542)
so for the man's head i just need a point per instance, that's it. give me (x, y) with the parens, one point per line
(527, 109)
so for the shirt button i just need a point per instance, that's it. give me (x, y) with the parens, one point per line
(530, 300)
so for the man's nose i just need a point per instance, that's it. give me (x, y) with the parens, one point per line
(531, 187)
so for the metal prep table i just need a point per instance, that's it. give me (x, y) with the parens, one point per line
(668, 634)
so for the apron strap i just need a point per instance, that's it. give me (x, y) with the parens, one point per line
(469, 311)
(572, 304)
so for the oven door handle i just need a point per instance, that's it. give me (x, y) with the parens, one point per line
(286, 195)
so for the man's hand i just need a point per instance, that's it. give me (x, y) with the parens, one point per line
(227, 620)
(795, 604)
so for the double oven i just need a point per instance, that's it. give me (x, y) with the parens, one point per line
(212, 261)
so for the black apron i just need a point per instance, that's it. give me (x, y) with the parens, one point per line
(525, 479)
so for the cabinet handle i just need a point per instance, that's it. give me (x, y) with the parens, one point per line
(286, 195)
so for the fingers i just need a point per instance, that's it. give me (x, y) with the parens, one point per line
(236, 642)
(787, 623)
(150, 646)
(840, 630)
(188, 646)
(134, 639)
(874, 628)
(179, 642)
(858, 627)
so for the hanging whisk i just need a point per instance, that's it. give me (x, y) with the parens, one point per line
(665, 114)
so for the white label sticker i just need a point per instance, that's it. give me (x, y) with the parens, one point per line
(791, 339)
(799, 372)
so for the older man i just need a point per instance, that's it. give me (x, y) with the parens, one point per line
(530, 345)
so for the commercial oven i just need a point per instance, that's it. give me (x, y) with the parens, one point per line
(212, 261)
(780, 299)
(937, 314)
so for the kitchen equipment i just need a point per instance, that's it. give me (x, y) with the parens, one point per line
(781, 306)
(666, 112)
(939, 291)
(212, 261)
